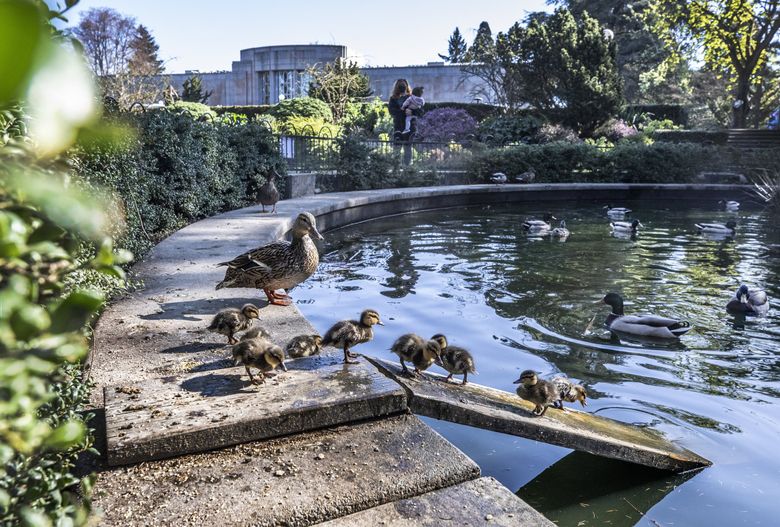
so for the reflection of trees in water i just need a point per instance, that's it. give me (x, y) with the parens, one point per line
(401, 265)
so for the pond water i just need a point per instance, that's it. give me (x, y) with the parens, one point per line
(518, 303)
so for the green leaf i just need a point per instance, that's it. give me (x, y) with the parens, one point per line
(28, 321)
(73, 312)
(22, 38)
(66, 435)
(34, 518)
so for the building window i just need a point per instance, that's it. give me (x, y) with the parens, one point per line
(303, 81)
(285, 84)
(265, 88)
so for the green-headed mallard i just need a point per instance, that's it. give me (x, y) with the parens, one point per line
(538, 391)
(454, 359)
(258, 353)
(642, 325)
(625, 226)
(539, 225)
(278, 265)
(718, 228)
(499, 178)
(268, 195)
(749, 302)
(569, 391)
(415, 349)
(231, 320)
(303, 346)
(348, 333)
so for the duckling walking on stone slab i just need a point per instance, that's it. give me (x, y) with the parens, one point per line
(348, 333)
(415, 349)
(258, 353)
(254, 332)
(231, 320)
(454, 359)
(278, 265)
(303, 346)
(568, 391)
(268, 195)
(538, 391)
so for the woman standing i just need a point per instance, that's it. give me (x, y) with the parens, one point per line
(400, 92)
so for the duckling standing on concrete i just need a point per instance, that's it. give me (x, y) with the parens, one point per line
(538, 391)
(569, 391)
(454, 359)
(258, 353)
(348, 333)
(231, 320)
(303, 346)
(254, 332)
(415, 349)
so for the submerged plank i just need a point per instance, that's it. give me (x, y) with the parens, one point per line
(476, 502)
(500, 411)
(177, 415)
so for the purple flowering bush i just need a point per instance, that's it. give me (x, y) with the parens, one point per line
(616, 129)
(446, 124)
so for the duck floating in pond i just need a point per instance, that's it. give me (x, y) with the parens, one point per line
(730, 205)
(616, 212)
(561, 231)
(718, 228)
(626, 226)
(748, 302)
(539, 225)
(537, 391)
(642, 325)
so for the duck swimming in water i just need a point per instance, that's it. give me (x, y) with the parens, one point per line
(748, 302)
(560, 232)
(717, 228)
(625, 226)
(616, 212)
(539, 225)
(642, 325)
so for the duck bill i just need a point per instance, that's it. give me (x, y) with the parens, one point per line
(315, 234)
(599, 301)
(518, 381)
(380, 323)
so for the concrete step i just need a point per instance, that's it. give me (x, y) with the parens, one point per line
(295, 481)
(482, 501)
(500, 411)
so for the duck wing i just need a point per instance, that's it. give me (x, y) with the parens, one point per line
(711, 227)
(759, 301)
(257, 256)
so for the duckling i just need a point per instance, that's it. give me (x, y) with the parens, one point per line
(231, 320)
(717, 228)
(526, 177)
(499, 178)
(730, 205)
(560, 232)
(749, 302)
(278, 265)
(625, 226)
(415, 349)
(454, 359)
(642, 325)
(616, 212)
(569, 391)
(268, 193)
(538, 391)
(348, 333)
(304, 346)
(255, 332)
(539, 225)
(258, 353)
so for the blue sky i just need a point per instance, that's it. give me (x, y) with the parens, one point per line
(207, 35)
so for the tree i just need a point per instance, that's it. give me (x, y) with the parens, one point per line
(480, 61)
(456, 49)
(337, 83)
(143, 59)
(192, 90)
(483, 46)
(736, 37)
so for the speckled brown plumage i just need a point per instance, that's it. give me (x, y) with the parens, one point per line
(254, 332)
(538, 391)
(569, 391)
(348, 333)
(415, 349)
(454, 359)
(258, 353)
(304, 346)
(231, 320)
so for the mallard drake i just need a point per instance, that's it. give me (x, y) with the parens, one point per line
(730, 205)
(561, 231)
(625, 226)
(268, 195)
(538, 391)
(749, 302)
(717, 228)
(499, 178)
(539, 225)
(415, 349)
(642, 325)
(348, 333)
(526, 177)
(255, 332)
(569, 391)
(278, 265)
(616, 212)
(454, 359)
(303, 346)
(258, 353)
(231, 320)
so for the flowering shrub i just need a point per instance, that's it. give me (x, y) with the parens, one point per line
(554, 133)
(446, 124)
(616, 129)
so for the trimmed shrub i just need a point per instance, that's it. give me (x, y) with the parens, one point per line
(446, 124)
(194, 109)
(249, 111)
(615, 130)
(478, 111)
(676, 113)
(509, 129)
(692, 136)
(308, 107)
(365, 116)
(556, 133)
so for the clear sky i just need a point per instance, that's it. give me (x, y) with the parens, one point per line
(208, 35)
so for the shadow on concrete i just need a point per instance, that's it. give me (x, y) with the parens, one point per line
(194, 347)
(210, 306)
(217, 384)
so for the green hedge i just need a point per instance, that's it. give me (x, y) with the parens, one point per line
(677, 113)
(706, 137)
(478, 111)
(248, 111)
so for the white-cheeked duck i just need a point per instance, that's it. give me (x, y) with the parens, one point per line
(642, 325)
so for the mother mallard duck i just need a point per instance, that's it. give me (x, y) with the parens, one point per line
(641, 325)
(278, 265)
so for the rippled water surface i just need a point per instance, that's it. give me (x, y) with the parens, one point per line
(518, 302)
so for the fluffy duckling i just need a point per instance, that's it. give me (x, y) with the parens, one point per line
(348, 333)
(258, 353)
(642, 325)
(231, 320)
(730, 205)
(304, 346)
(561, 231)
(278, 265)
(568, 391)
(749, 302)
(625, 226)
(717, 228)
(268, 195)
(454, 359)
(499, 178)
(616, 212)
(538, 391)
(539, 225)
(526, 177)
(415, 349)
(255, 332)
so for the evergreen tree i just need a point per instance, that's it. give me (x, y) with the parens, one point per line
(143, 54)
(337, 83)
(192, 90)
(483, 48)
(456, 50)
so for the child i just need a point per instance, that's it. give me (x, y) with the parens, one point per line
(413, 107)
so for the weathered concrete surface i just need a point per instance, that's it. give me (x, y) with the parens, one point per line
(294, 481)
(482, 501)
(178, 415)
(499, 411)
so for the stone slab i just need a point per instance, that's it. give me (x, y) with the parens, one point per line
(294, 481)
(177, 415)
(481, 501)
(500, 411)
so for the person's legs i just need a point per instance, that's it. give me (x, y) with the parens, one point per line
(408, 125)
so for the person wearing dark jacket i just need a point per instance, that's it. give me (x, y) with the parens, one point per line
(400, 93)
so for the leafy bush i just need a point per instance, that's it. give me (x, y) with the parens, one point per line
(615, 130)
(478, 111)
(194, 109)
(509, 129)
(692, 136)
(308, 107)
(552, 133)
(308, 126)
(249, 111)
(676, 113)
(446, 124)
(364, 116)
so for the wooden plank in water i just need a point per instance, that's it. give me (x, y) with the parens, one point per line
(500, 411)
(177, 415)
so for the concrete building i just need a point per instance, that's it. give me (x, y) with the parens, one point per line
(268, 74)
